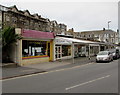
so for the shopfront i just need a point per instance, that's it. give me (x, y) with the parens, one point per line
(66, 48)
(81, 50)
(35, 47)
(63, 49)
(94, 49)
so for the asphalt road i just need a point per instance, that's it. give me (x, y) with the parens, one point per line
(90, 78)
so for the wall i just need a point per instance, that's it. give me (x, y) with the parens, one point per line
(52, 51)
(12, 53)
(34, 61)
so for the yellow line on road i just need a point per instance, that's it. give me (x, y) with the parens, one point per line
(104, 63)
(86, 82)
(46, 72)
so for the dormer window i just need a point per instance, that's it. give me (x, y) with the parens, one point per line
(26, 12)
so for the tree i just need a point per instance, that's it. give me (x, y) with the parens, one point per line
(8, 38)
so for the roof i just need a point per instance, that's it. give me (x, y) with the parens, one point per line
(37, 34)
(23, 13)
(99, 31)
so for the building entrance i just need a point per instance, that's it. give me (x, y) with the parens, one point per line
(58, 53)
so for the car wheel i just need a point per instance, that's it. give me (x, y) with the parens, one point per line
(110, 59)
(96, 61)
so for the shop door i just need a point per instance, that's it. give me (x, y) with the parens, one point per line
(58, 50)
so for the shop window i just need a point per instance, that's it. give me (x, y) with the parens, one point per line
(91, 50)
(66, 50)
(34, 48)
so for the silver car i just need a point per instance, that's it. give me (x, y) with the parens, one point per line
(105, 56)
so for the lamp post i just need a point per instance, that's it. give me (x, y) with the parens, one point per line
(73, 46)
(16, 54)
(108, 24)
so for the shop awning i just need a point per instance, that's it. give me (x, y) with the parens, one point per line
(111, 44)
(73, 40)
(37, 34)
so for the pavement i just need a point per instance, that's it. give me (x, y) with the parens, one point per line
(16, 71)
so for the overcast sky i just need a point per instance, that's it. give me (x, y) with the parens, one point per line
(82, 16)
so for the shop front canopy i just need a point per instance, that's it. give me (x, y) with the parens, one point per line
(62, 40)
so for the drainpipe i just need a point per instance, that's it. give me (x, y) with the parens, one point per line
(16, 56)
(89, 52)
(99, 48)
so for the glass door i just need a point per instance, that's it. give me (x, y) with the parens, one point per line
(58, 50)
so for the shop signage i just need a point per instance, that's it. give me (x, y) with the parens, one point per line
(62, 41)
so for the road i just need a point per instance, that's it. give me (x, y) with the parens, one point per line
(88, 78)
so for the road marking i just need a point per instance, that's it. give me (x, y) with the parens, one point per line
(104, 63)
(27, 70)
(86, 82)
(47, 72)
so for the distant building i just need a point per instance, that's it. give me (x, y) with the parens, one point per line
(70, 32)
(58, 29)
(107, 36)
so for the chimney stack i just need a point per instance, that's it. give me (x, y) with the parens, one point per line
(103, 29)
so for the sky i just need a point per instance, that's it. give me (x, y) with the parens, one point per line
(80, 15)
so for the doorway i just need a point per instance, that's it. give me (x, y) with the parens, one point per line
(58, 52)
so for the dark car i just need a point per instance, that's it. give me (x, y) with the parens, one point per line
(115, 53)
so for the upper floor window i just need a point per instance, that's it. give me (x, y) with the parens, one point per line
(14, 19)
(7, 18)
(112, 35)
(26, 23)
(96, 35)
(112, 40)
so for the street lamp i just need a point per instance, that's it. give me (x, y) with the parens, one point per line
(108, 24)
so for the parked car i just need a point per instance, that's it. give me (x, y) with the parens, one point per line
(118, 52)
(105, 56)
(115, 53)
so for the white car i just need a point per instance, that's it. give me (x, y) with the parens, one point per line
(105, 56)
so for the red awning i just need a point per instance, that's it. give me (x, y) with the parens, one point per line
(37, 34)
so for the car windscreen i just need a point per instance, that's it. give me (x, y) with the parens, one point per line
(103, 53)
